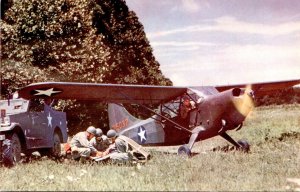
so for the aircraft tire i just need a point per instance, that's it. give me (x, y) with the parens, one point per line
(184, 150)
(245, 146)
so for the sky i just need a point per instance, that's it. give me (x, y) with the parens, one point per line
(221, 42)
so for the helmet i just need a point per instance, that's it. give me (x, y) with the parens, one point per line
(92, 130)
(99, 132)
(111, 133)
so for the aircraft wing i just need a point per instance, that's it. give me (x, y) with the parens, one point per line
(264, 87)
(115, 93)
(138, 94)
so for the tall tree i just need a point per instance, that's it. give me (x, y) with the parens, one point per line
(82, 41)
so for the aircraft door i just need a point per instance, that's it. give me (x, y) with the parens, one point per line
(193, 118)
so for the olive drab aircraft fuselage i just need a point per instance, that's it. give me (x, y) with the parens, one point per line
(185, 114)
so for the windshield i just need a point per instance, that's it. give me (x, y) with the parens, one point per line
(14, 106)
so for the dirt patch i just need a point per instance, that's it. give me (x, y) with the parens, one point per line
(282, 138)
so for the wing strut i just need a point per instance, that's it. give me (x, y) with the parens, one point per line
(176, 124)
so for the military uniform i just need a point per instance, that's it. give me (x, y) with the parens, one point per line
(120, 151)
(100, 145)
(81, 146)
(123, 149)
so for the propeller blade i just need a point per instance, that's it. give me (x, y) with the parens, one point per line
(245, 104)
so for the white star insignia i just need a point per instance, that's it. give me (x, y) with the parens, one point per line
(49, 120)
(142, 134)
(47, 92)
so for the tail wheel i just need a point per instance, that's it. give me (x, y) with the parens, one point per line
(184, 150)
(56, 149)
(12, 150)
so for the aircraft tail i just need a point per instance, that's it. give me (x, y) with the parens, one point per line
(119, 117)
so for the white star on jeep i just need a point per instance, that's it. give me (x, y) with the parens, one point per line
(49, 120)
(141, 133)
(47, 92)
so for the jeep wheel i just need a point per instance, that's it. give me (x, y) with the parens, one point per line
(56, 150)
(12, 150)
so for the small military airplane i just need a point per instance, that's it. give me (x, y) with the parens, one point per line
(185, 114)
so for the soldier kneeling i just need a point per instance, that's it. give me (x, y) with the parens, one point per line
(80, 145)
(124, 149)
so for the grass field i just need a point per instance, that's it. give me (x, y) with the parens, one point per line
(274, 161)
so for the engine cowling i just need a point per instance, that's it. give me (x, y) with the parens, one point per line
(241, 105)
(226, 110)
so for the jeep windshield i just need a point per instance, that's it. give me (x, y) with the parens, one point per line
(14, 106)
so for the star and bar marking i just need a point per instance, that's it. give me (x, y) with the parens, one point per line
(47, 92)
(142, 134)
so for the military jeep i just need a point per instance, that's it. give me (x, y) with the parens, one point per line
(27, 126)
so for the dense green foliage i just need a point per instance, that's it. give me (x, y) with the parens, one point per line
(81, 41)
(284, 96)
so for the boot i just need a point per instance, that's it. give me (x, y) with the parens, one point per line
(82, 160)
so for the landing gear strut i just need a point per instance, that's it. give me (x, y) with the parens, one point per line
(242, 145)
(186, 149)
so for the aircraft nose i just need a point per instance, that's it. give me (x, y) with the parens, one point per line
(243, 101)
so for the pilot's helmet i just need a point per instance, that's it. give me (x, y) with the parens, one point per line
(92, 130)
(99, 132)
(111, 133)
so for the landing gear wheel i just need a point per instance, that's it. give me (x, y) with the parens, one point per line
(244, 146)
(184, 150)
(12, 151)
(55, 151)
